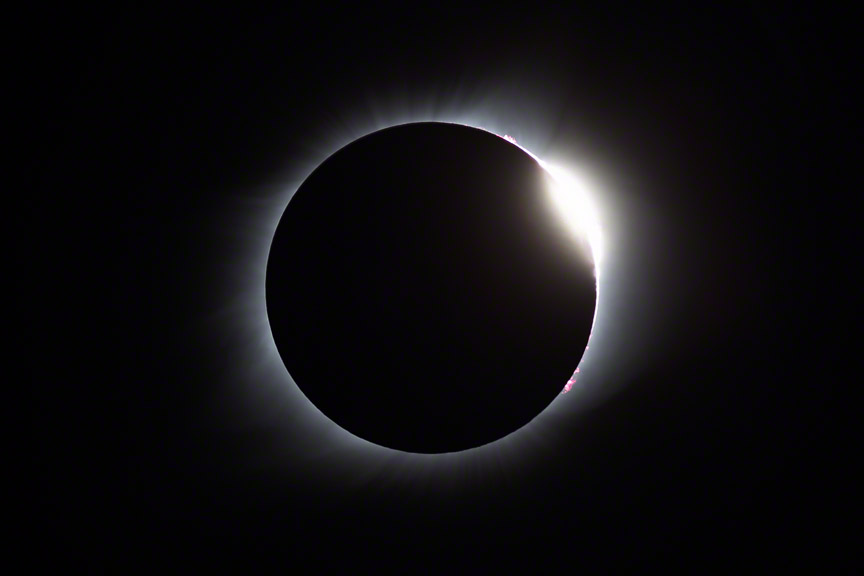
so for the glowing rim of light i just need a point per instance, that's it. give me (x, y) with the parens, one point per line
(574, 203)
(267, 355)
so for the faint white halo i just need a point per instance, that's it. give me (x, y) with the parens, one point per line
(265, 229)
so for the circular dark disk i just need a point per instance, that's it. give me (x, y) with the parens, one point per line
(422, 291)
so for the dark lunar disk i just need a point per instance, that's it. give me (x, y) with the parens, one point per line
(423, 292)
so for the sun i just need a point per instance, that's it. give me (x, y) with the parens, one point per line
(261, 374)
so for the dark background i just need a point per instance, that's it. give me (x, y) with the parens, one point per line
(147, 122)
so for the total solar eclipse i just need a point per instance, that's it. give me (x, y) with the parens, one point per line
(427, 291)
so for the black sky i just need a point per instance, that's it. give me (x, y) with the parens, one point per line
(153, 123)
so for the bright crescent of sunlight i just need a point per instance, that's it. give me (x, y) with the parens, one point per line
(574, 203)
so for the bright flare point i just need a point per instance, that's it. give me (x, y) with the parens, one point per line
(573, 202)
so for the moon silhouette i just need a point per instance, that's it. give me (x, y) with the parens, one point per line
(422, 291)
